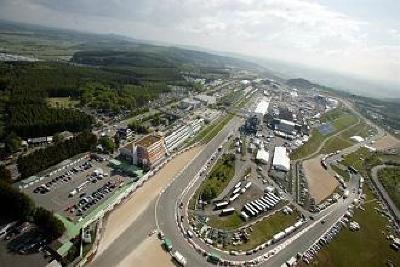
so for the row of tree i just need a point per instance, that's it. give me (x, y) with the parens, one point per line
(43, 158)
(20, 207)
(39, 120)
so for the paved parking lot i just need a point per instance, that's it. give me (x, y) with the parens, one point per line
(23, 246)
(76, 189)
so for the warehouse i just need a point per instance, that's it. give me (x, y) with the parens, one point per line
(262, 108)
(281, 160)
(182, 133)
(262, 156)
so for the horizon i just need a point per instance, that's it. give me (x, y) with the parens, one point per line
(301, 40)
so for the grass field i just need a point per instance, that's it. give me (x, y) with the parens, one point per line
(344, 173)
(229, 222)
(62, 102)
(265, 229)
(334, 144)
(218, 178)
(389, 177)
(209, 132)
(365, 248)
(340, 119)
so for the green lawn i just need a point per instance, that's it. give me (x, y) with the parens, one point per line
(209, 132)
(218, 178)
(228, 222)
(390, 179)
(265, 229)
(62, 102)
(365, 248)
(344, 173)
(340, 119)
(334, 144)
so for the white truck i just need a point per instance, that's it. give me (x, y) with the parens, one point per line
(179, 258)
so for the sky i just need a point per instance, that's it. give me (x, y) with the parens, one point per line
(358, 37)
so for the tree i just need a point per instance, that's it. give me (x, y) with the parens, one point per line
(107, 143)
(13, 143)
(48, 223)
(15, 205)
(5, 174)
(58, 138)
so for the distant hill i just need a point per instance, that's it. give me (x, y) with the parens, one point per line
(300, 83)
(88, 48)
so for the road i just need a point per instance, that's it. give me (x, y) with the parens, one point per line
(163, 210)
(382, 191)
(167, 202)
(167, 214)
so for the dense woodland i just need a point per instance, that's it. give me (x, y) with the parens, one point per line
(43, 158)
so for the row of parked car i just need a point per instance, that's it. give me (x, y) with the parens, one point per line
(64, 178)
(309, 255)
(258, 206)
(86, 201)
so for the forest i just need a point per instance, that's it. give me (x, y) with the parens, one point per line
(43, 158)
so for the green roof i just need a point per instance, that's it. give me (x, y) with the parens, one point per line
(63, 250)
(115, 162)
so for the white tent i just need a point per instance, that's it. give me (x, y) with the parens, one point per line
(281, 160)
(262, 156)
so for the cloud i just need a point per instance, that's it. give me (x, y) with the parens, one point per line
(292, 30)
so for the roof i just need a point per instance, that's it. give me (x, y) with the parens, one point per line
(148, 140)
(262, 107)
(262, 155)
(115, 162)
(205, 98)
(130, 146)
(282, 121)
(281, 159)
(357, 138)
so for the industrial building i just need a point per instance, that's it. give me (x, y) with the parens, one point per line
(150, 150)
(286, 126)
(281, 160)
(206, 99)
(262, 156)
(189, 103)
(181, 134)
(262, 108)
(252, 125)
(129, 152)
(124, 133)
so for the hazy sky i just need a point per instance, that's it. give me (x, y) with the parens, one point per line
(353, 36)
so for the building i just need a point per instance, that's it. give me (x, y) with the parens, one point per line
(281, 160)
(262, 156)
(206, 99)
(262, 108)
(252, 125)
(150, 150)
(66, 135)
(40, 140)
(124, 133)
(189, 103)
(357, 139)
(129, 152)
(286, 126)
(181, 134)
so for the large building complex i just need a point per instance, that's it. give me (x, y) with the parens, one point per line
(262, 108)
(281, 160)
(181, 134)
(150, 150)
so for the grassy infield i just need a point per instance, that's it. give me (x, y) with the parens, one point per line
(340, 119)
(368, 247)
